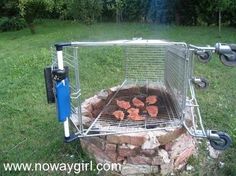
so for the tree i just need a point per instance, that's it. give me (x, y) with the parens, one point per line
(231, 13)
(119, 6)
(32, 9)
(9, 8)
(222, 5)
(86, 11)
(186, 13)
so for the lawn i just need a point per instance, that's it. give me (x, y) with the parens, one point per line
(29, 131)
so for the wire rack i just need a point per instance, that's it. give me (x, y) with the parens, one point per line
(167, 114)
(145, 63)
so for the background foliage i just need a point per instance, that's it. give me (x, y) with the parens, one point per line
(179, 12)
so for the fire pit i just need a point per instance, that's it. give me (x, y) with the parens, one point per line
(162, 151)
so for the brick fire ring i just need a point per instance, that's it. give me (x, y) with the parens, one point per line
(141, 153)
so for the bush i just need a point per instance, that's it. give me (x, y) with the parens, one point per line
(152, 11)
(135, 10)
(32, 9)
(9, 8)
(11, 24)
(86, 11)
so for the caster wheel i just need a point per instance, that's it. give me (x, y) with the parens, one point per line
(203, 84)
(223, 143)
(204, 57)
(227, 62)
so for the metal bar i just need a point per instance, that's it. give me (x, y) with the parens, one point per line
(99, 115)
(61, 66)
(208, 48)
(127, 43)
(110, 132)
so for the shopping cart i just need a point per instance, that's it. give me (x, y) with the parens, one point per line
(168, 66)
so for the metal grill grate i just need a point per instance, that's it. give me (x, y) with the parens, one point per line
(167, 116)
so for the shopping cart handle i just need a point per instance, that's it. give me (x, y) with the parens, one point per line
(227, 53)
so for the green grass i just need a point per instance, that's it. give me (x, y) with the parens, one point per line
(29, 131)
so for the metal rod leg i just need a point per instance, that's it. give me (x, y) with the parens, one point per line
(61, 67)
(66, 128)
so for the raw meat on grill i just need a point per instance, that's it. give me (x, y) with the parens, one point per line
(137, 102)
(123, 104)
(152, 110)
(135, 117)
(134, 114)
(119, 115)
(151, 99)
(133, 110)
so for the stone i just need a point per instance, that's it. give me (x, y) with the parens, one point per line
(132, 147)
(212, 152)
(133, 139)
(221, 164)
(120, 159)
(86, 106)
(87, 102)
(125, 151)
(151, 142)
(97, 141)
(134, 90)
(108, 173)
(94, 151)
(103, 137)
(157, 160)
(183, 157)
(114, 89)
(112, 155)
(164, 155)
(148, 152)
(152, 134)
(170, 136)
(86, 121)
(110, 147)
(116, 139)
(96, 102)
(166, 168)
(108, 110)
(95, 113)
(155, 169)
(181, 166)
(103, 94)
(140, 160)
(131, 169)
(189, 167)
(182, 143)
(86, 113)
(137, 140)
(168, 146)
